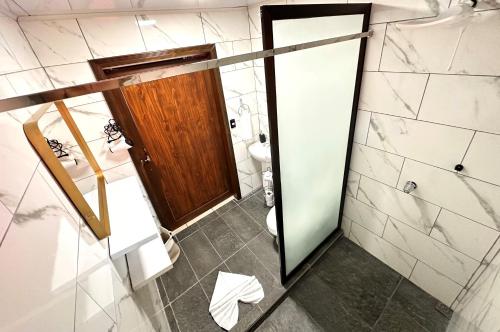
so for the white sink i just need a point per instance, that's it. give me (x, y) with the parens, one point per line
(260, 151)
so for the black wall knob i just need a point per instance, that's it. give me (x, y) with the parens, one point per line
(459, 167)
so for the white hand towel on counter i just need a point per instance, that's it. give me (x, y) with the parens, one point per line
(246, 131)
(229, 289)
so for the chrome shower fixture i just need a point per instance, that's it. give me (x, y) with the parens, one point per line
(409, 187)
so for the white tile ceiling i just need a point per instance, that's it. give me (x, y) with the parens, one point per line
(15, 8)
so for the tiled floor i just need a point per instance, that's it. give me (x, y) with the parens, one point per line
(234, 238)
(350, 290)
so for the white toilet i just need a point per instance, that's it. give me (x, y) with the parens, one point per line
(271, 221)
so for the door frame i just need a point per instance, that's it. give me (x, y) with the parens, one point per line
(285, 12)
(123, 65)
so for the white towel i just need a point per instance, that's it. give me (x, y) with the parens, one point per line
(229, 289)
(118, 145)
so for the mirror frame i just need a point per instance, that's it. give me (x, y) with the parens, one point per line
(100, 226)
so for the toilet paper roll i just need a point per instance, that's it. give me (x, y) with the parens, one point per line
(118, 145)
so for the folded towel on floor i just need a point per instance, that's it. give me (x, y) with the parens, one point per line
(229, 289)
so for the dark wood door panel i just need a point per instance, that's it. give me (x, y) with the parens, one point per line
(183, 137)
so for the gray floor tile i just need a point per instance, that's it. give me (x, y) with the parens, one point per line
(248, 314)
(171, 319)
(265, 248)
(324, 306)
(191, 311)
(208, 282)
(226, 207)
(201, 254)
(245, 262)
(187, 231)
(395, 319)
(420, 305)
(256, 208)
(222, 237)
(208, 218)
(179, 278)
(289, 316)
(363, 283)
(161, 290)
(242, 224)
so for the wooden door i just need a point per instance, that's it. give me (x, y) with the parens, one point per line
(184, 147)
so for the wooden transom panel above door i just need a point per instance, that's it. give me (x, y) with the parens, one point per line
(181, 126)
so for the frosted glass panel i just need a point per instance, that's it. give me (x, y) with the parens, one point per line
(314, 99)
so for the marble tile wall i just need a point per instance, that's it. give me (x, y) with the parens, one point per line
(71, 282)
(421, 112)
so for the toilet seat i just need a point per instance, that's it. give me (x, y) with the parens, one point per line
(271, 222)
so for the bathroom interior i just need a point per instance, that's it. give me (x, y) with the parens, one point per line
(246, 165)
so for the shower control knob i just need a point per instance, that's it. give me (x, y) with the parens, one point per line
(459, 167)
(409, 187)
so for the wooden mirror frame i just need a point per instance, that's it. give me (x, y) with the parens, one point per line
(100, 226)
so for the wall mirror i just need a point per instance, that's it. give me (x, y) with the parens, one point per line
(312, 99)
(56, 138)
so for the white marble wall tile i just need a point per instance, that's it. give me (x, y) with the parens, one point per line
(435, 283)
(397, 94)
(465, 235)
(56, 42)
(477, 200)
(250, 99)
(346, 226)
(431, 49)
(257, 180)
(262, 103)
(95, 270)
(6, 89)
(397, 10)
(463, 101)
(254, 16)
(352, 183)
(257, 46)
(383, 250)
(417, 213)
(171, 30)
(89, 316)
(90, 5)
(477, 53)
(226, 25)
(435, 144)
(247, 167)
(376, 164)
(11, 9)
(39, 264)
(374, 47)
(34, 7)
(483, 158)
(15, 52)
(5, 218)
(73, 74)
(90, 119)
(240, 151)
(481, 5)
(437, 255)
(18, 158)
(242, 47)
(365, 215)
(260, 79)
(225, 49)
(114, 35)
(362, 125)
(30, 81)
(246, 186)
(237, 83)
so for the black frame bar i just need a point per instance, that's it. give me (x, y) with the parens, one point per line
(285, 12)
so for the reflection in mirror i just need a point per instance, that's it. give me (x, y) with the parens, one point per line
(71, 162)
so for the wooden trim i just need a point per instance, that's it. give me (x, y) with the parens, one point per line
(119, 66)
(100, 226)
(283, 12)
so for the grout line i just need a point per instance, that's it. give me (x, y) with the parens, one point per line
(195, 274)
(175, 317)
(382, 48)
(423, 95)
(368, 130)
(385, 226)
(400, 172)
(260, 261)
(85, 39)
(435, 221)
(432, 73)
(468, 147)
(388, 300)
(140, 31)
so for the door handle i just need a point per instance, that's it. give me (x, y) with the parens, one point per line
(146, 160)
